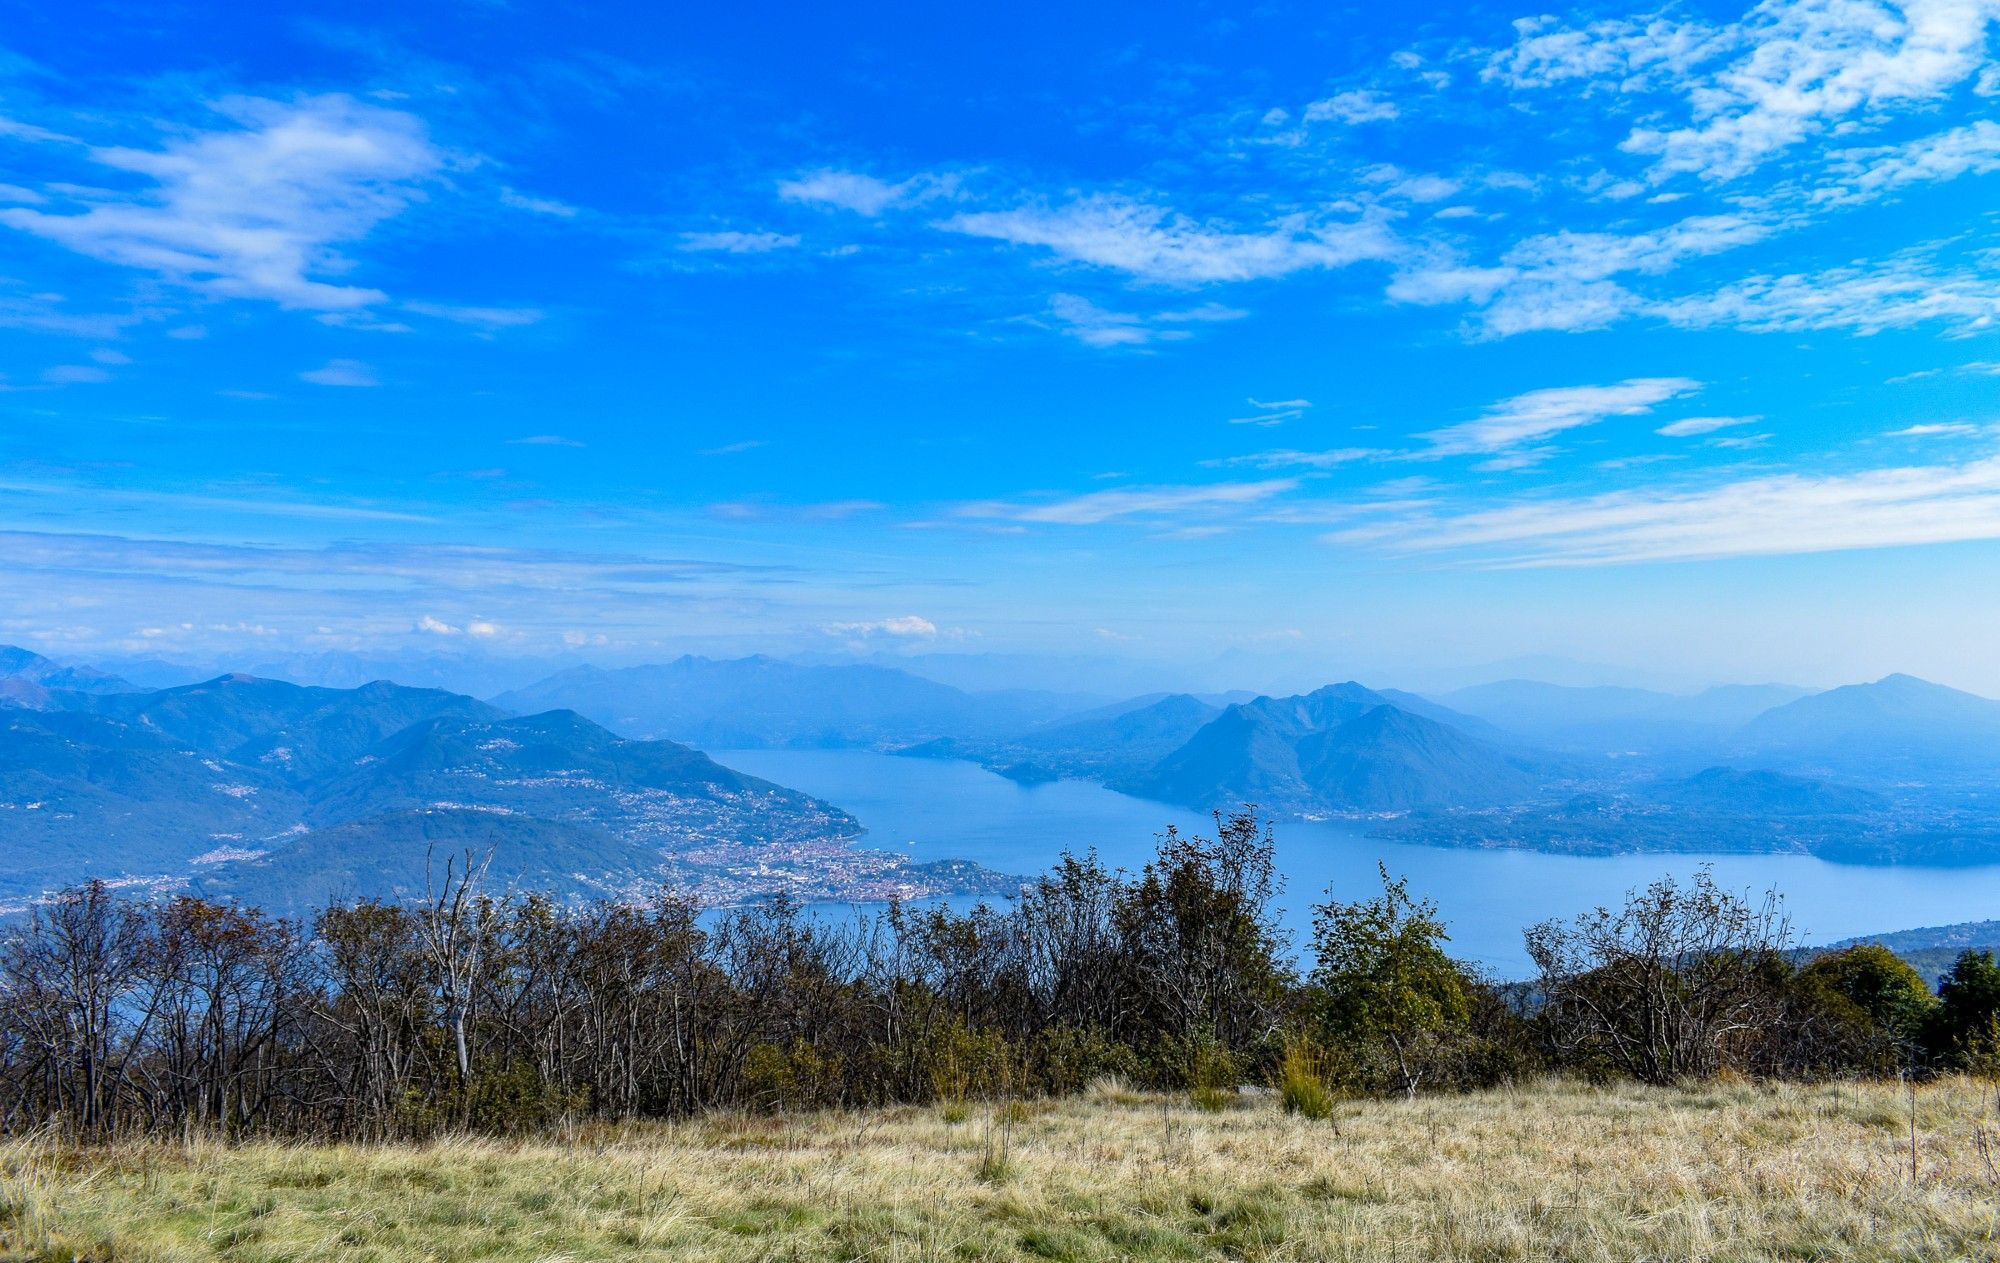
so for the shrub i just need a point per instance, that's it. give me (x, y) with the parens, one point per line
(1385, 984)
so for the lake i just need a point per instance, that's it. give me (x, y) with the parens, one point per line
(938, 809)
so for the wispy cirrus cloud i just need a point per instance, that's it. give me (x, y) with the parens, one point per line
(537, 205)
(1096, 507)
(1909, 288)
(258, 208)
(1935, 429)
(341, 373)
(729, 241)
(861, 193)
(1092, 325)
(1292, 458)
(1772, 515)
(1690, 426)
(1155, 244)
(1274, 413)
(1538, 414)
(488, 318)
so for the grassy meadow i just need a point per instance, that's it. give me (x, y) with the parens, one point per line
(1551, 1171)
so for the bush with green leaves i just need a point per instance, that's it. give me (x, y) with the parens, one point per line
(1385, 988)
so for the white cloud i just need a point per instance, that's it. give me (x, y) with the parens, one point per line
(1148, 502)
(1564, 280)
(545, 440)
(1619, 54)
(860, 193)
(1159, 245)
(1933, 429)
(536, 205)
(1786, 72)
(907, 626)
(1292, 458)
(1276, 412)
(1864, 173)
(341, 373)
(258, 209)
(482, 628)
(478, 317)
(1764, 516)
(435, 627)
(1702, 425)
(1539, 413)
(1895, 293)
(1359, 106)
(1092, 325)
(737, 242)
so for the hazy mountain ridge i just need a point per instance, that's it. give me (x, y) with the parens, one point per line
(1108, 744)
(25, 666)
(753, 702)
(1602, 718)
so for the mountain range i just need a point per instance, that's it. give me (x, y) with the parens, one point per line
(291, 794)
(592, 775)
(743, 703)
(1587, 769)
(1604, 718)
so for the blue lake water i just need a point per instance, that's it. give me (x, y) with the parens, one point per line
(935, 809)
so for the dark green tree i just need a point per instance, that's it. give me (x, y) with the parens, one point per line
(1385, 984)
(1964, 1032)
(1879, 983)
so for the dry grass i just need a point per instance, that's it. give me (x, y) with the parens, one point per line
(1549, 1172)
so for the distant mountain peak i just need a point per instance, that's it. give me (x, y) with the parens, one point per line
(1341, 747)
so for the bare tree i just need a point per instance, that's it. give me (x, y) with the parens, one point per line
(453, 926)
(1662, 987)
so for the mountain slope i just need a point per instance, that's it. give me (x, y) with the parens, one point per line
(392, 856)
(1765, 793)
(560, 766)
(296, 731)
(82, 795)
(1391, 760)
(1896, 725)
(1339, 748)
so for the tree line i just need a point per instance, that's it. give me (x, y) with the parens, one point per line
(506, 1012)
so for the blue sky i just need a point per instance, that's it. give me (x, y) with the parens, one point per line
(1664, 337)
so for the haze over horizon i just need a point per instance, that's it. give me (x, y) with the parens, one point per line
(1333, 344)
